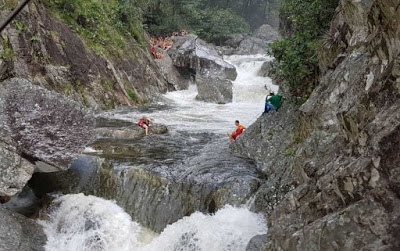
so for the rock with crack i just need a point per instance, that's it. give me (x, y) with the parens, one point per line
(38, 129)
(192, 53)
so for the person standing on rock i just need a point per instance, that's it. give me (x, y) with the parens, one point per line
(272, 102)
(145, 123)
(239, 130)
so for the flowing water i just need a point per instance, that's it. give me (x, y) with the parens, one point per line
(195, 150)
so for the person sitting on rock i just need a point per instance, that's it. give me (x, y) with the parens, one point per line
(239, 130)
(272, 102)
(145, 123)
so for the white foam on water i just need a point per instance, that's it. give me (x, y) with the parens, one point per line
(88, 223)
(249, 92)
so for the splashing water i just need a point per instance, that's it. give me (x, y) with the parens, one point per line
(249, 92)
(88, 223)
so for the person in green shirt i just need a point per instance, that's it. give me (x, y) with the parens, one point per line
(272, 102)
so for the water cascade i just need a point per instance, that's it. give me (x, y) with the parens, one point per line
(193, 158)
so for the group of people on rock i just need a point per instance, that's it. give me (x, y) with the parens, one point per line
(160, 45)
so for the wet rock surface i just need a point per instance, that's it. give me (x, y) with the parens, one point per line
(212, 73)
(20, 233)
(214, 90)
(343, 164)
(173, 177)
(257, 243)
(128, 132)
(176, 80)
(193, 53)
(160, 178)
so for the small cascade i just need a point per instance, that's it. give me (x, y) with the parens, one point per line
(88, 223)
(161, 179)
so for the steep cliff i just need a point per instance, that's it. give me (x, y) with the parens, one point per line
(332, 165)
(40, 47)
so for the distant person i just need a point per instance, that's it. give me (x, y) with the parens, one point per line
(239, 130)
(145, 123)
(153, 51)
(272, 102)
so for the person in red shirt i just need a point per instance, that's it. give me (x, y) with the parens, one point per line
(145, 123)
(239, 130)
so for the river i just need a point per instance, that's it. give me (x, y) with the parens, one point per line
(195, 150)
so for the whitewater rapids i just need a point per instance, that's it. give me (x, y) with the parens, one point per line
(87, 223)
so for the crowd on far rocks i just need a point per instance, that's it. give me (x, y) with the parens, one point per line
(160, 45)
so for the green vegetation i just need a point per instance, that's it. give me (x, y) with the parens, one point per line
(8, 4)
(290, 151)
(19, 25)
(296, 62)
(105, 24)
(210, 20)
(133, 95)
(7, 54)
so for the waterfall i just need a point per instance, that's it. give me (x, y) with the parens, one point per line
(249, 92)
(87, 223)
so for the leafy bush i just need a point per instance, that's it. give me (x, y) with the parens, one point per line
(211, 22)
(296, 63)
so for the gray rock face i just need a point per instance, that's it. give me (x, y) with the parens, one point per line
(342, 161)
(212, 72)
(266, 33)
(193, 53)
(269, 141)
(257, 243)
(37, 126)
(214, 90)
(59, 60)
(15, 171)
(171, 74)
(257, 43)
(20, 233)
(265, 69)
(44, 125)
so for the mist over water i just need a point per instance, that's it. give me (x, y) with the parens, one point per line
(88, 223)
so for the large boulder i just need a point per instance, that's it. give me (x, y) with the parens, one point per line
(214, 90)
(175, 80)
(191, 52)
(20, 233)
(108, 128)
(256, 243)
(245, 44)
(38, 129)
(266, 33)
